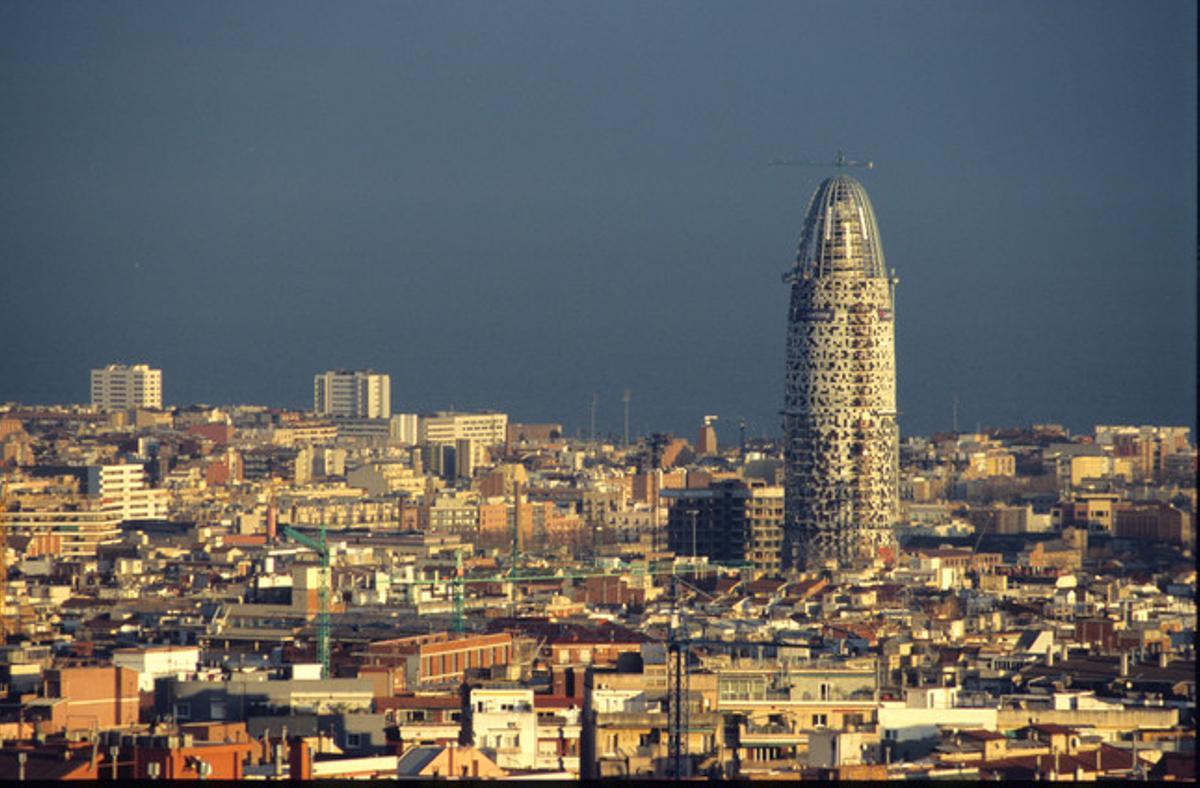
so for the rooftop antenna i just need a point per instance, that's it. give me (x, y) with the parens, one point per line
(594, 398)
(625, 397)
(840, 161)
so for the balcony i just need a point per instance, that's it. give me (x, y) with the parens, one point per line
(771, 735)
(641, 751)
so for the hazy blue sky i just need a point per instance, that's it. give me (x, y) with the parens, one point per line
(515, 205)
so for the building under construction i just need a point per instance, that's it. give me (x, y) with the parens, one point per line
(839, 415)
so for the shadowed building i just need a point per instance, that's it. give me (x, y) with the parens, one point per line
(729, 521)
(839, 417)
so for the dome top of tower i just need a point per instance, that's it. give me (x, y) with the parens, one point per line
(840, 234)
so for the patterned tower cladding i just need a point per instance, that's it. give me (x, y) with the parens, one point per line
(839, 418)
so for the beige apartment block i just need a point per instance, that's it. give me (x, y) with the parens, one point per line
(120, 387)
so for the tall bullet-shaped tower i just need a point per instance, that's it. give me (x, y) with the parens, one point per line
(839, 419)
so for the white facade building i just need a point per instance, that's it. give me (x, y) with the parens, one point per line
(487, 429)
(405, 428)
(504, 726)
(911, 728)
(482, 430)
(120, 387)
(123, 492)
(360, 394)
(156, 662)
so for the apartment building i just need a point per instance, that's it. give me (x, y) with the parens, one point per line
(482, 430)
(358, 394)
(70, 526)
(729, 521)
(122, 489)
(436, 658)
(156, 662)
(120, 387)
(504, 726)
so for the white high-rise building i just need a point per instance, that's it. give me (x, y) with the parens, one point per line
(841, 439)
(359, 394)
(120, 387)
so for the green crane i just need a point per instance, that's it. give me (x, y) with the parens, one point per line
(321, 548)
(460, 580)
(460, 623)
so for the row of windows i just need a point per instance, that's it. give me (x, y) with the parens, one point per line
(458, 661)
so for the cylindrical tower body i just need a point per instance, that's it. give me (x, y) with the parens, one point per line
(839, 419)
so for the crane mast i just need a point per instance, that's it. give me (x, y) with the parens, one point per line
(460, 623)
(321, 548)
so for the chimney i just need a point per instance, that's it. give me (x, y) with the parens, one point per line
(1124, 664)
(299, 760)
(1164, 658)
(1050, 657)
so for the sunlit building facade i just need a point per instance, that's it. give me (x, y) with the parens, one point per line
(120, 387)
(359, 394)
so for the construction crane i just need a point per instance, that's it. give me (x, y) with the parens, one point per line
(459, 580)
(679, 644)
(321, 548)
(515, 553)
(678, 641)
(839, 161)
(534, 577)
(677, 652)
(460, 621)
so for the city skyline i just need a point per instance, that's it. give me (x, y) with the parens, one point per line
(521, 227)
(365, 364)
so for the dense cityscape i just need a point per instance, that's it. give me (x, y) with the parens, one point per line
(246, 591)
(683, 390)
